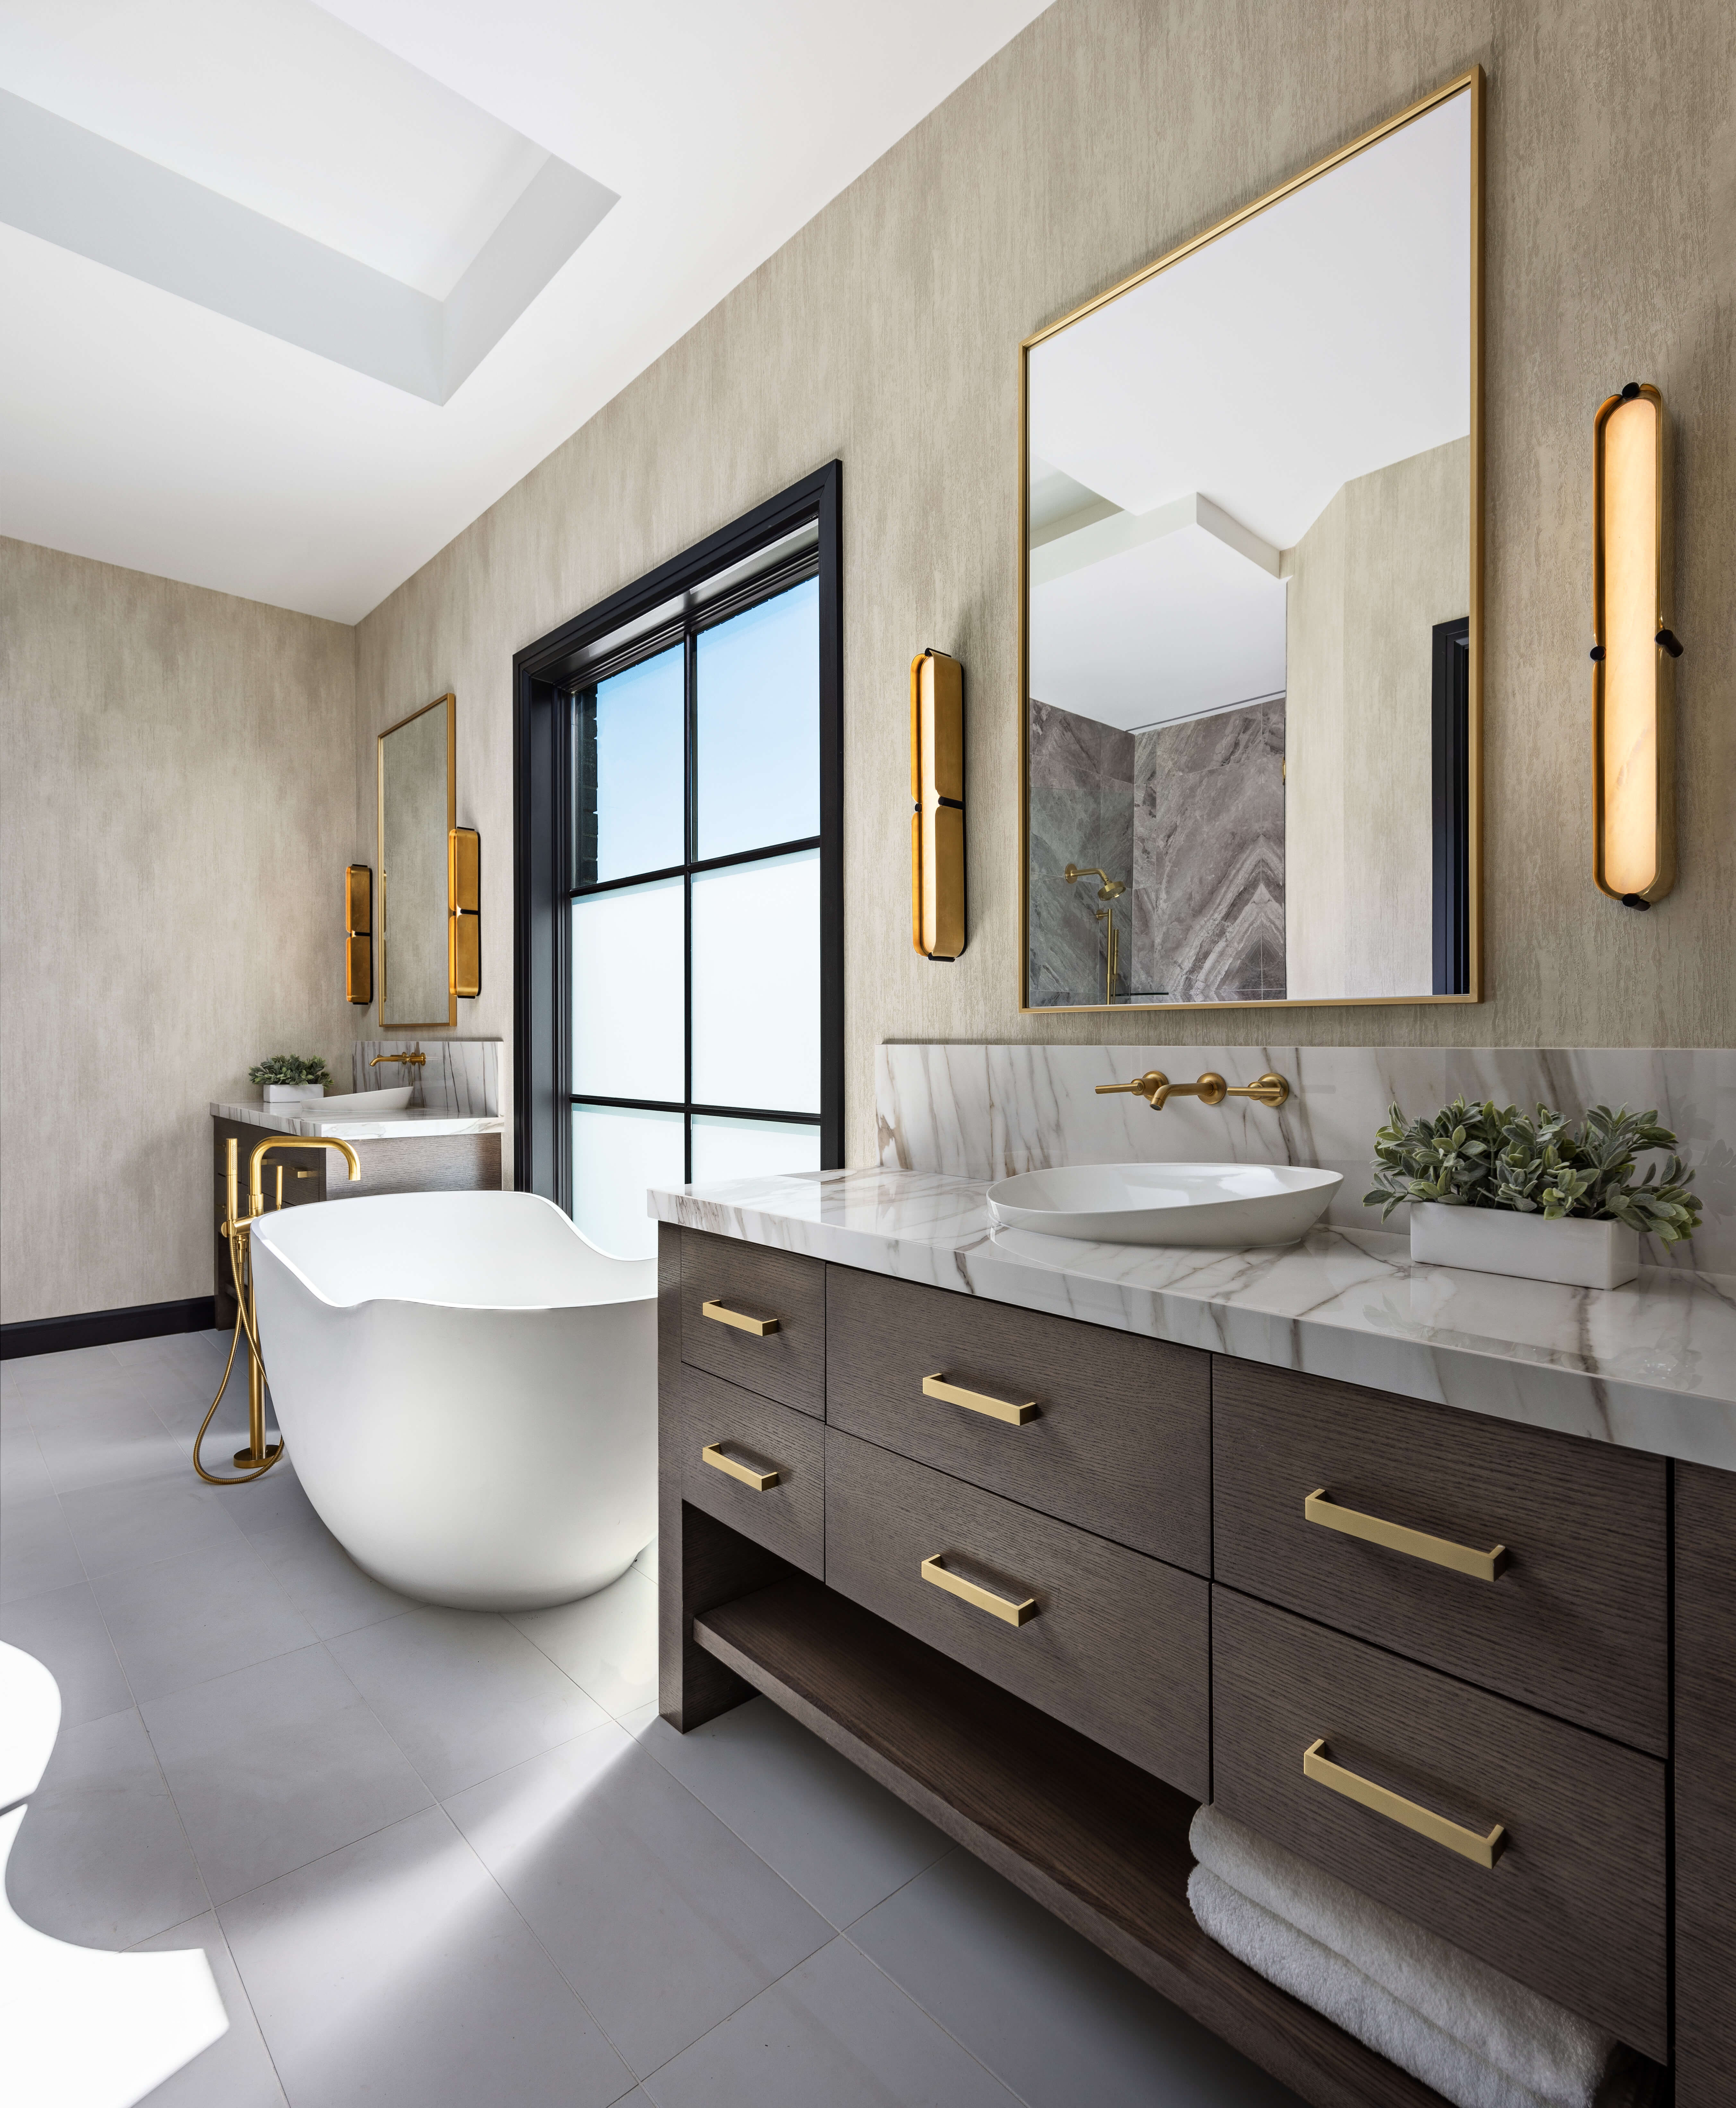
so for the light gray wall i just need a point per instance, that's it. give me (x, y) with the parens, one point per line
(887, 332)
(177, 803)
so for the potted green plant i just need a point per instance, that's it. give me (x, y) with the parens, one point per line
(288, 1080)
(1494, 1191)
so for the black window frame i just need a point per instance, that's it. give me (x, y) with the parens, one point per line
(546, 677)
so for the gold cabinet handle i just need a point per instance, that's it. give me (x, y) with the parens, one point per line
(1468, 1843)
(1322, 1508)
(982, 1599)
(720, 1313)
(978, 1401)
(761, 1481)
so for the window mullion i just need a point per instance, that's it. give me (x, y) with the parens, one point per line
(691, 661)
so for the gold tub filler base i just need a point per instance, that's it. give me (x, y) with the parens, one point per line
(257, 1458)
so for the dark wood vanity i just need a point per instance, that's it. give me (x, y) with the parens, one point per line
(1054, 1632)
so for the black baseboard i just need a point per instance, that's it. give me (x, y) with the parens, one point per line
(104, 1328)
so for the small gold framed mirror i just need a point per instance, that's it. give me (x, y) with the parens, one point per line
(418, 798)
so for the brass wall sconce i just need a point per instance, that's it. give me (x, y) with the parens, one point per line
(937, 901)
(359, 940)
(1632, 658)
(464, 910)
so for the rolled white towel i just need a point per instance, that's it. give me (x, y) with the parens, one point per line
(1542, 2048)
(1338, 1989)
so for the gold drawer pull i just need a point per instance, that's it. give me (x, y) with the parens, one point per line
(983, 1599)
(720, 1313)
(1320, 1507)
(761, 1481)
(979, 1401)
(1467, 1843)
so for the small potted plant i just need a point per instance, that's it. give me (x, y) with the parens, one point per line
(1492, 1190)
(290, 1079)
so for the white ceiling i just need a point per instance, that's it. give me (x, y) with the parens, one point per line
(142, 428)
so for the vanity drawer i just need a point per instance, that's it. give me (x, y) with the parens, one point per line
(1113, 1643)
(1575, 1621)
(1574, 1904)
(760, 1438)
(1120, 1442)
(781, 1289)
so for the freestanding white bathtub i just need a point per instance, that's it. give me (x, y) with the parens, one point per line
(468, 1390)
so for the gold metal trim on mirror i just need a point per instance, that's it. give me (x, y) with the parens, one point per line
(412, 1024)
(1469, 82)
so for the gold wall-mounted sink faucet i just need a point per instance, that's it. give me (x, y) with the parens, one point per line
(417, 1061)
(1157, 1089)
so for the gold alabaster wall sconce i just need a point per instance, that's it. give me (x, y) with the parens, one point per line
(358, 939)
(464, 911)
(1633, 718)
(937, 901)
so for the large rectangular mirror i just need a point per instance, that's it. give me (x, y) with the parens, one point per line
(1250, 503)
(418, 808)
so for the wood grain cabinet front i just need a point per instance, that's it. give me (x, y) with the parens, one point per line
(754, 1464)
(1530, 1843)
(1100, 1428)
(1113, 1643)
(755, 1316)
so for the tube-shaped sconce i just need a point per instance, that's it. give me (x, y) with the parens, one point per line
(1633, 656)
(464, 911)
(937, 905)
(358, 943)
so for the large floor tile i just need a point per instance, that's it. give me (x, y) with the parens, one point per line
(837, 1838)
(47, 1372)
(394, 1974)
(236, 2070)
(268, 1502)
(65, 1631)
(24, 1474)
(464, 1695)
(37, 1552)
(607, 1643)
(276, 1764)
(833, 2031)
(120, 1443)
(119, 1529)
(657, 1914)
(179, 1623)
(101, 1859)
(1051, 2014)
(321, 1580)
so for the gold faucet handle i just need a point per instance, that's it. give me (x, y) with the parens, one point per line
(1270, 1089)
(1154, 1086)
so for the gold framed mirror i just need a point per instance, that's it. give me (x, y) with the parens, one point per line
(418, 807)
(1251, 599)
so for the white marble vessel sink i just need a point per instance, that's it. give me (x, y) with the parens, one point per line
(1221, 1205)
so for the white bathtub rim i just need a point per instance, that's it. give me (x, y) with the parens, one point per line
(446, 1303)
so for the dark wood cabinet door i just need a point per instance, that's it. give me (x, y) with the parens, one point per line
(1705, 1787)
(758, 1436)
(788, 1364)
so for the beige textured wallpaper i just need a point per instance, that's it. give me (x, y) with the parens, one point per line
(177, 802)
(886, 333)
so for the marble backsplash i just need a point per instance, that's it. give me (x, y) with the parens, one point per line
(461, 1076)
(987, 1111)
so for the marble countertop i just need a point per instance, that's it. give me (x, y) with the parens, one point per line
(360, 1126)
(1651, 1366)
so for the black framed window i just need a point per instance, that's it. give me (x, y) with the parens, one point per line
(679, 1002)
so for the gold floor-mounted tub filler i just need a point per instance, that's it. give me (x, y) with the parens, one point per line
(256, 1459)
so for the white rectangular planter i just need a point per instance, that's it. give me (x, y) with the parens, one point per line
(291, 1094)
(1585, 1255)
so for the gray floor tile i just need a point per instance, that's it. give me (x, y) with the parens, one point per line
(276, 1764)
(120, 1530)
(394, 1974)
(236, 2070)
(101, 1859)
(268, 1502)
(646, 1561)
(179, 1623)
(24, 1475)
(607, 1643)
(321, 1580)
(35, 1372)
(464, 1693)
(120, 1444)
(65, 1631)
(660, 1917)
(37, 1552)
(837, 1838)
(1052, 2015)
(834, 2031)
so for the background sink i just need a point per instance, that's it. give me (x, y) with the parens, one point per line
(1226, 1205)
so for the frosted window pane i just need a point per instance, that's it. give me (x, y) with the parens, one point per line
(627, 1022)
(756, 985)
(617, 1155)
(750, 1149)
(758, 699)
(628, 775)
